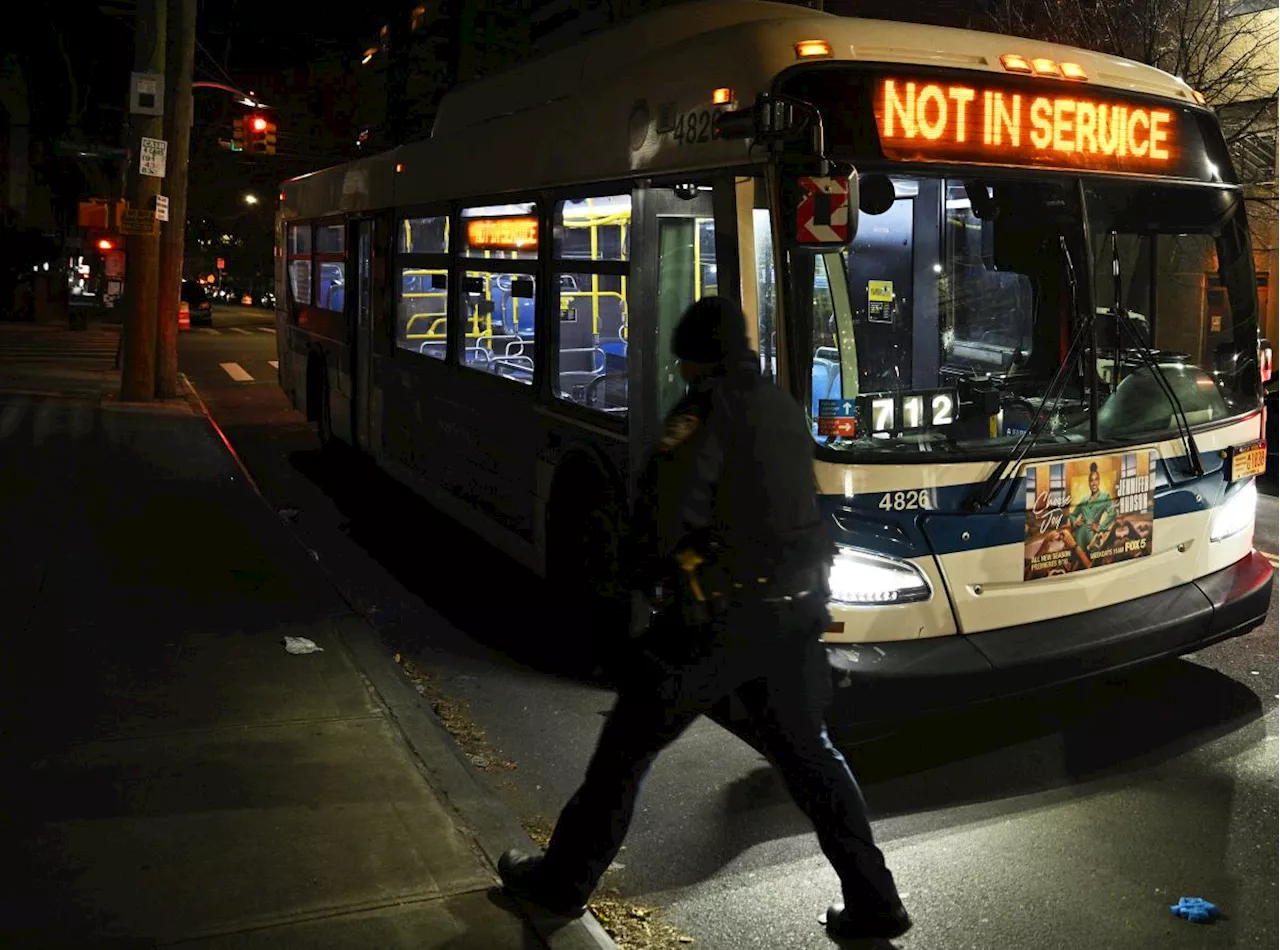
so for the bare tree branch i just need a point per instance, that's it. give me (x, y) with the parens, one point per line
(1228, 59)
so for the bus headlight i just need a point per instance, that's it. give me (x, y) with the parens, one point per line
(1236, 514)
(860, 577)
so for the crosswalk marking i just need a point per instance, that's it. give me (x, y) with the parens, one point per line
(42, 420)
(237, 372)
(267, 329)
(240, 330)
(93, 348)
(274, 364)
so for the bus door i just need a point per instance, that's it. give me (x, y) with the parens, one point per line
(685, 250)
(361, 336)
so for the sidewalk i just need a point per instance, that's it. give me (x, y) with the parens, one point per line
(173, 774)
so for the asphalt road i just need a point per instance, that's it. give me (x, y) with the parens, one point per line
(1070, 819)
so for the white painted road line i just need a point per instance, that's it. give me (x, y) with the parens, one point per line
(1275, 561)
(267, 329)
(209, 330)
(274, 364)
(240, 330)
(236, 372)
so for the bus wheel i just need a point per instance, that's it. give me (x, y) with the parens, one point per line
(319, 410)
(318, 404)
(584, 571)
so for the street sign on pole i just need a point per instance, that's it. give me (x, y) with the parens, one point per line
(162, 208)
(146, 93)
(152, 156)
(138, 221)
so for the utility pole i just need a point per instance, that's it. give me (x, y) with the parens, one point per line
(142, 250)
(177, 131)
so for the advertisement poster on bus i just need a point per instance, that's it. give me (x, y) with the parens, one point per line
(1088, 512)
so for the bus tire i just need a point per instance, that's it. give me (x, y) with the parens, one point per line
(584, 565)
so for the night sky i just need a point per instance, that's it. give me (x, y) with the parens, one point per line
(303, 61)
(259, 34)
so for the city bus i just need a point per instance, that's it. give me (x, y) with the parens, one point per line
(1010, 282)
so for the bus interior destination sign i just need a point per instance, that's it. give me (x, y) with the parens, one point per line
(1032, 123)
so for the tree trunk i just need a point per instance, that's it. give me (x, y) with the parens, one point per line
(178, 109)
(142, 251)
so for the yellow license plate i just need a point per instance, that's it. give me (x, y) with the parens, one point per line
(1248, 460)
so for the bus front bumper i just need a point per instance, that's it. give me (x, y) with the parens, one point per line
(904, 677)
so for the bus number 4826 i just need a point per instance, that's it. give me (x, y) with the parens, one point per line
(911, 499)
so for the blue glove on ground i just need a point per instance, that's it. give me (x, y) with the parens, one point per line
(1195, 909)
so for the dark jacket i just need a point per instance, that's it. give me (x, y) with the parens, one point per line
(732, 477)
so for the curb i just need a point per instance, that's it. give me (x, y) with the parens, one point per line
(490, 824)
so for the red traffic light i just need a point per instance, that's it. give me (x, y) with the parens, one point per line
(259, 124)
(105, 245)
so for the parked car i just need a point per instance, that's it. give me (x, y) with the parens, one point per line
(199, 303)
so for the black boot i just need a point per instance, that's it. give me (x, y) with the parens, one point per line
(884, 922)
(520, 877)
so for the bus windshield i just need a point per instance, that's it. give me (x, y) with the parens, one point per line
(941, 327)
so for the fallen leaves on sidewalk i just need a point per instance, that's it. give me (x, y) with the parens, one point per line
(634, 926)
(456, 718)
(539, 829)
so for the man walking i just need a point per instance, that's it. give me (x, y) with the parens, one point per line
(731, 547)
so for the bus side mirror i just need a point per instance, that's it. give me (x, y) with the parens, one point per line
(819, 212)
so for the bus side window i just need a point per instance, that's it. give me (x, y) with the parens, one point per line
(499, 300)
(592, 249)
(422, 318)
(298, 249)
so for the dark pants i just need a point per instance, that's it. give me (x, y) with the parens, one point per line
(770, 658)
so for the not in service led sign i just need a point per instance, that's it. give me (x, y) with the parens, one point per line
(1033, 124)
(502, 234)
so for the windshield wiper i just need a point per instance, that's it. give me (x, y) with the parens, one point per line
(1000, 474)
(1124, 324)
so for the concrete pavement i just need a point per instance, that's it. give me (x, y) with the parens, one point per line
(174, 775)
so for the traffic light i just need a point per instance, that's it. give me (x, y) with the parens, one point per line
(262, 135)
(237, 134)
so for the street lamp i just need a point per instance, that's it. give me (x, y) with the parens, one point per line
(251, 199)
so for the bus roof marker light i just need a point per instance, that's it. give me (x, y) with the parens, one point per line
(722, 96)
(399, 167)
(1044, 67)
(1014, 63)
(1198, 96)
(812, 49)
(1074, 71)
